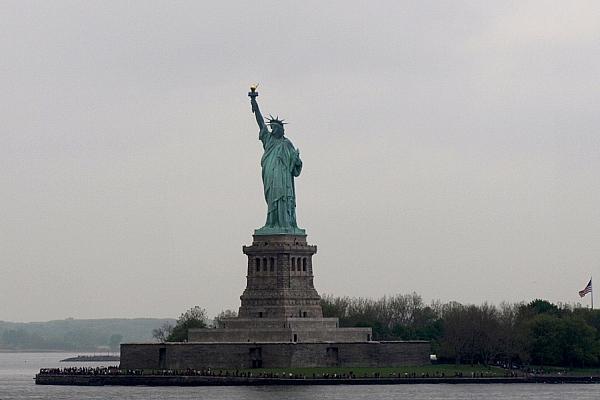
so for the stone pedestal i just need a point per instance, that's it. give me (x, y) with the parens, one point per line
(280, 279)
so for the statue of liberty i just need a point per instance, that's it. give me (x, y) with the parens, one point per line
(280, 165)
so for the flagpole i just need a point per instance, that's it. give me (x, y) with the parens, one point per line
(592, 292)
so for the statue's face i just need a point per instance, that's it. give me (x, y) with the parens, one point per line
(277, 130)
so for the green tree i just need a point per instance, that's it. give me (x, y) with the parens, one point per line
(580, 346)
(545, 339)
(223, 315)
(539, 306)
(455, 340)
(510, 343)
(195, 317)
(334, 306)
(162, 332)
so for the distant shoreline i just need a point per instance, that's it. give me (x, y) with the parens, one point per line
(93, 358)
(36, 351)
(47, 351)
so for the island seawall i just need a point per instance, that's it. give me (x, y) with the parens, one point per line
(273, 355)
(181, 380)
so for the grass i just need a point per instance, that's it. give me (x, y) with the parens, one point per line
(568, 371)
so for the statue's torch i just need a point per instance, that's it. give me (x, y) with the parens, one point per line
(253, 93)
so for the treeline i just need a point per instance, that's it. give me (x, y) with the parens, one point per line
(76, 334)
(195, 317)
(536, 333)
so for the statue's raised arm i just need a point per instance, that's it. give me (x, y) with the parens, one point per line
(253, 94)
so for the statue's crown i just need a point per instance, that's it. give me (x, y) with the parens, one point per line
(276, 120)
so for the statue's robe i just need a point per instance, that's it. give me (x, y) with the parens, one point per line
(280, 164)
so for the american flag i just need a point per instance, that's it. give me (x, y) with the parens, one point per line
(586, 290)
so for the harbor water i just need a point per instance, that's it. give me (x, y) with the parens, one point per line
(18, 369)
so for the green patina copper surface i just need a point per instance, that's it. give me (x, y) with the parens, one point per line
(280, 165)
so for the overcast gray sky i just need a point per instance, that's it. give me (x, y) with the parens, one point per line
(449, 148)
